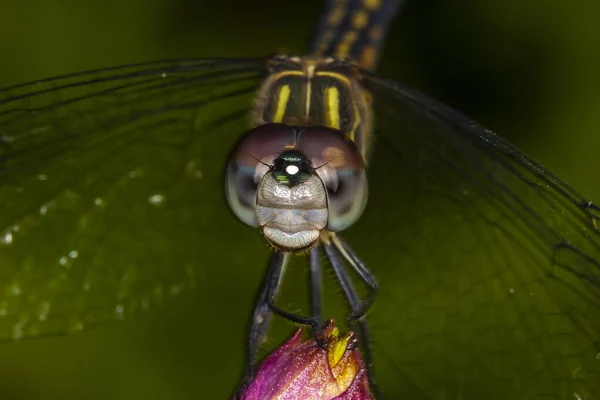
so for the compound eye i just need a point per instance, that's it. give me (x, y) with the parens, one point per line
(251, 159)
(339, 164)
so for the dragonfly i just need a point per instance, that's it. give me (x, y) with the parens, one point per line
(111, 202)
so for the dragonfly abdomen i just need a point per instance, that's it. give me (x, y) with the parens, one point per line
(354, 29)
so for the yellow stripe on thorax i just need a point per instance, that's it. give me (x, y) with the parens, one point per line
(282, 102)
(311, 95)
(345, 82)
(332, 95)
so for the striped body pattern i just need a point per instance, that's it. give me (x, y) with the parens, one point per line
(315, 92)
(354, 29)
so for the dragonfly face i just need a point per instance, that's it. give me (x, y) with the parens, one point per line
(295, 182)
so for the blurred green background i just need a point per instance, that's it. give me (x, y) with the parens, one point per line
(527, 69)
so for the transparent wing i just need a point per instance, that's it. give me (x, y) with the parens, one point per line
(111, 189)
(489, 265)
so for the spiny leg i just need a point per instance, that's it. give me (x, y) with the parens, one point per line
(316, 286)
(352, 297)
(265, 305)
(359, 308)
(315, 321)
(261, 318)
(366, 275)
(272, 292)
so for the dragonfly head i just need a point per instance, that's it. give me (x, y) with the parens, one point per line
(292, 183)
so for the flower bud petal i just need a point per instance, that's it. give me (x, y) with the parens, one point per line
(302, 369)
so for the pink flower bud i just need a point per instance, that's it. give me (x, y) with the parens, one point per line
(301, 369)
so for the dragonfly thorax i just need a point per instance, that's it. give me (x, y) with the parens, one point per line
(306, 91)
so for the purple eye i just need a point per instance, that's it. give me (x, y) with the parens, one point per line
(250, 161)
(340, 166)
(294, 182)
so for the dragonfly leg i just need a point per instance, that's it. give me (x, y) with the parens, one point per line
(271, 294)
(366, 275)
(316, 285)
(261, 318)
(359, 308)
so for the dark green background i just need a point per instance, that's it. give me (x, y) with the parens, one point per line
(528, 69)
